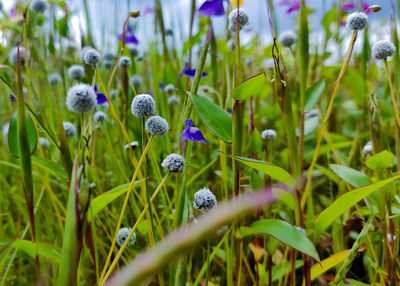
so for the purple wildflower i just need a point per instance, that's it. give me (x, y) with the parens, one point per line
(148, 10)
(212, 8)
(351, 6)
(101, 98)
(13, 98)
(190, 72)
(161, 86)
(129, 37)
(192, 133)
(292, 5)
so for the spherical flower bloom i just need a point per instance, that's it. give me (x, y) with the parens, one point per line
(76, 72)
(54, 79)
(99, 116)
(156, 125)
(381, 50)
(169, 88)
(143, 105)
(114, 93)
(69, 129)
(124, 62)
(233, 19)
(108, 56)
(174, 99)
(287, 38)
(39, 6)
(81, 98)
(83, 51)
(123, 234)
(133, 50)
(136, 81)
(312, 113)
(268, 133)
(204, 200)
(357, 21)
(4, 131)
(132, 145)
(368, 148)
(108, 64)
(44, 142)
(174, 162)
(13, 55)
(91, 56)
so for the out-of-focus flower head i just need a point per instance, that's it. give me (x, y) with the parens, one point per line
(129, 37)
(190, 72)
(212, 8)
(350, 6)
(101, 98)
(292, 5)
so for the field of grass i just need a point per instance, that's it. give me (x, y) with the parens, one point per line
(203, 159)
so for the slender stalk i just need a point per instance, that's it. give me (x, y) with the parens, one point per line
(395, 106)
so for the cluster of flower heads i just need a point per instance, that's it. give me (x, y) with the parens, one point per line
(204, 200)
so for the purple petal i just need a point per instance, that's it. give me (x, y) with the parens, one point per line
(131, 39)
(192, 133)
(188, 123)
(191, 73)
(101, 98)
(212, 8)
(161, 86)
(95, 88)
(13, 98)
(148, 10)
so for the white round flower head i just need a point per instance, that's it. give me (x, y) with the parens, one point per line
(204, 200)
(133, 50)
(312, 113)
(13, 56)
(357, 21)
(268, 133)
(39, 6)
(136, 81)
(99, 116)
(4, 131)
(123, 234)
(91, 56)
(108, 56)
(156, 125)
(143, 105)
(243, 19)
(132, 145)
(83, 51)
(54, 79)
(108, 64)
(174, 162)
(69, 129)
(174, 99)
(76, 72)
(169, 88)
(368, 148)
(124, 62)
(381, 50)
(287, 38)
(44, 142)
(81, 98)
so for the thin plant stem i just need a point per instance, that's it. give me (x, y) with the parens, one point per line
(395, 106)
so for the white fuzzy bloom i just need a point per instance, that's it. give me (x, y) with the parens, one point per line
(108, 56)
(108, 64)
(69, 128)
(312, 113)
(81, 98)
(99, 116)
(268, 133)
(174, 99)
(90, 56)
(368, 148)
(124, 62)
(233, 16)
(381, 50)
(76, 72)
(169, 88)
(54, 79)
(357, 21)
(13, 55)
(39, 6)
(136, 81)
(4, 130)
(143, 105)
(156, 125)
(44, 142)
(204, 200)
(132, 145)
(174, 162)
(122, 236)
(133, 50)
(287, 38)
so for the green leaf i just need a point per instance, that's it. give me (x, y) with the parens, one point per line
(13, 135)
(313, 94)
(255, 142)
(287, 234)
(33, 249)
(381, 160)
(345, 202)
(103, 200)
(249, 87)
(51, 167)
(353, 177)
(217, 120)
(269, 169)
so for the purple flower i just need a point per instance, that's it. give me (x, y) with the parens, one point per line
(101, 98)
(292, 5)
(148, 10)
(351, 6)
(161, 86)
(190, 72)
(192, 133)
(212, 8)
(129, 37)
(13, 98)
